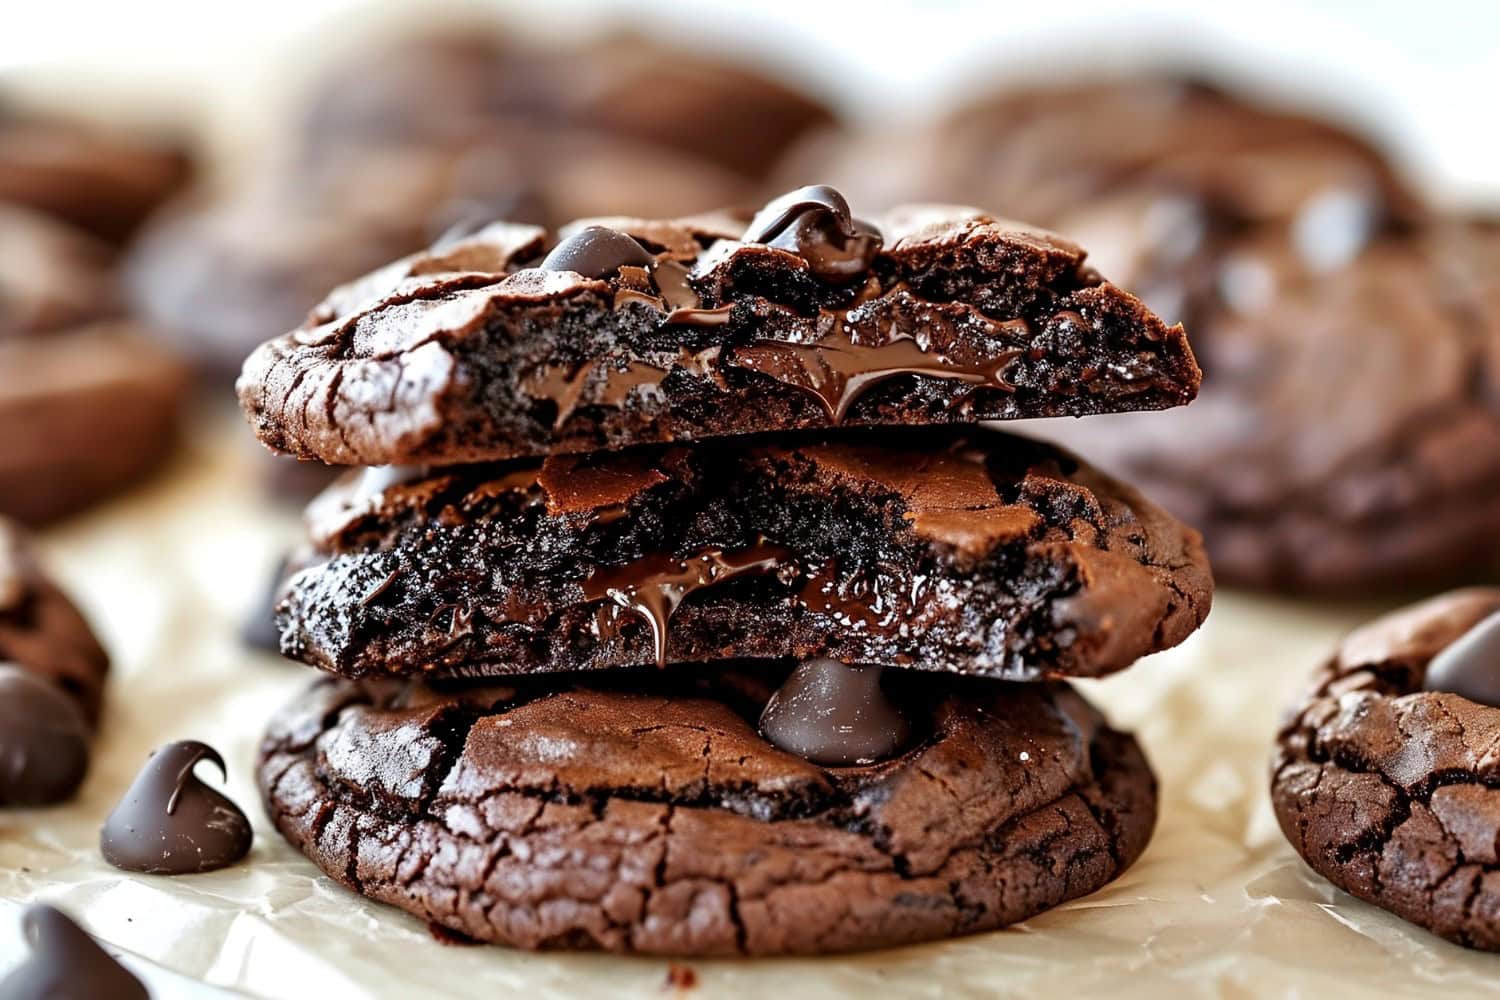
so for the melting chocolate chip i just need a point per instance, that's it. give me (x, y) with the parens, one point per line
(815, 223)
(597, 252)
(170, 823)
(1470, 666)
(653, 586)
(835, 714)
(44, 740)
(66, 964)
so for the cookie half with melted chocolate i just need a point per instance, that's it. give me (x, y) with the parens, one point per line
(969, 551)
(1385, 777)
(651, 816)
(514, 341)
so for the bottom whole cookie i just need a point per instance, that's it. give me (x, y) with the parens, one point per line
(646, 814)
(1386, 777)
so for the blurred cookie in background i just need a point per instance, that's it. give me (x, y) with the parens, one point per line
(435, 88)
(88, 403)
(101, 180)
(1347, 436)
(1158, 176)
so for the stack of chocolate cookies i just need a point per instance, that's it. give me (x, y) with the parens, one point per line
(688, 611)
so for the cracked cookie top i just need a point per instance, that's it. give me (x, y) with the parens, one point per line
(571, 813)
(490, 345)
(1388, 783)
(961, 550)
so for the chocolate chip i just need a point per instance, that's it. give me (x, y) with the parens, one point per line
(835, 714)
(66, 964)
(170, 823)
(597, 252)
(1470, 666)
(815, 223)
(44, 740)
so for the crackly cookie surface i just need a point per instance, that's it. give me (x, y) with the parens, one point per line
(969, 551)
(484, 348)
(1388, 783)
(652, 817)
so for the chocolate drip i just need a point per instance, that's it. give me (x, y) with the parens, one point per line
(653, 586)
(170, 823)
(836, 715)
(44, 740)
(66, 964)
(565, 387)
(815, 223)
(1470, 665)
(685, 306)
(837, 372)
(597, 252)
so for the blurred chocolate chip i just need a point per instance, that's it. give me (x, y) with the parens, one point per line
(835, 714)
(170, 823)
(1470, 666)
(597, 252)
(44, 740)
(815, 223)
(259, 630)
(66, 964)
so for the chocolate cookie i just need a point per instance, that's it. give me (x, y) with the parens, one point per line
(219, 275)
(99, 179)
(1158, 177)
(562, 814)
(87, 403)
(52, 674)
(52, 276)
(1384, 476)
(626, 331)
(434, 88)
(84, 414)
(1385, 778)
(967, 551)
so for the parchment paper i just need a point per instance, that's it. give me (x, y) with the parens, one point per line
(1218, 906)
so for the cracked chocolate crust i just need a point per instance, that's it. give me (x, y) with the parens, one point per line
(469, 353)
(651, 817)
(969, 551)
(42, 632)
(1391, 792)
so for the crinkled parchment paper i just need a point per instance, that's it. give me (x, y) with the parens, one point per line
(1218, 906)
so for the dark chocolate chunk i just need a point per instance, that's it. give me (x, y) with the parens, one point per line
(66, 964)
(52, 672)
(170, 823)
(956, 317)
(44, 740)
(933, 548)
(815, 223)
(1470, 666)
(835, 714)
(648, 815)
(597, 252)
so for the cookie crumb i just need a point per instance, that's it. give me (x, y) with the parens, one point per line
(680, 977)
